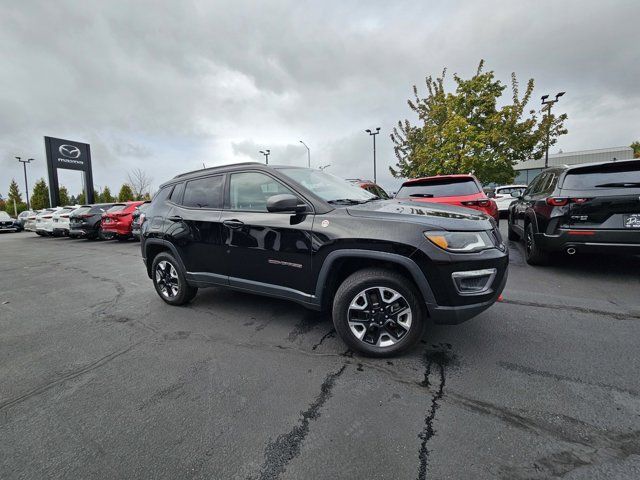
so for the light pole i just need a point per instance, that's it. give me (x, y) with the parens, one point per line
(549, 104)
(308, 154)
(373, 134)
(324, 166)
(266, 155)
(26, 186)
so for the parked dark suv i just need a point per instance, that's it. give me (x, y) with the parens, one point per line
(86, 221)
(380, 266)
(579, 208)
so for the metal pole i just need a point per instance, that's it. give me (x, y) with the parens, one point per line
(374, 159)
(26, 185)
(546, 155)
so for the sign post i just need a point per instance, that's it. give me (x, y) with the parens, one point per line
(69, 155)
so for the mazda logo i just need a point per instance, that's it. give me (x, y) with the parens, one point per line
(69, 151)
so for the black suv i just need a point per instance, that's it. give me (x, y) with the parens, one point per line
(381, 266)
(86, 221)
(591, 207)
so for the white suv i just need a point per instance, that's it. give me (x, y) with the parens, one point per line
(60, 221)
(503, 196)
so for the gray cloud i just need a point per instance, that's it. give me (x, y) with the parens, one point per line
(167, 86)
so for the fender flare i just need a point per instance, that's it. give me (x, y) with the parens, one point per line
(165, 246)
(418, 277)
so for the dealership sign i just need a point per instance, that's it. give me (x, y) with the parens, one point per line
(70, 155)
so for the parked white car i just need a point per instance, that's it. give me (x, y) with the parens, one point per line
(44, 222)
(30, 222)
(60, 221)
(503, 196)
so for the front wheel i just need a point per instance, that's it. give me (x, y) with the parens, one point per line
(378, 312)
(170, 281)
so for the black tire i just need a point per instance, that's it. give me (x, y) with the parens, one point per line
(534, 255)
(122, 238)
(364, 283)
(167, 274)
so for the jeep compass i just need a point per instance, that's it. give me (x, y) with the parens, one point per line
(381, 267)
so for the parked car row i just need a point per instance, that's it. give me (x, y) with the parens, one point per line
(96, 221)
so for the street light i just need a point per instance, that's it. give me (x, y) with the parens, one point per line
(266, 155)
(308, 154)
(373, 134)
(549, 104)
(324, 166)
(26, 186)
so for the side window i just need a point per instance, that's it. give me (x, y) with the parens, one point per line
(163, 194)
(204, 192)
(250, 191)
(550, 183)
(534, 188)
(177, 193)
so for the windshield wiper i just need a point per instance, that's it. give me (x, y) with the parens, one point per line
(620, 185)
(370, 199)
(344, 201)
(423, 195)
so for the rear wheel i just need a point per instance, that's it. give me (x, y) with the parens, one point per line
(533, 254)
(378, 312)
(170, 281)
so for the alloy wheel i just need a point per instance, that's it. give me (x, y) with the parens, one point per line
(167, 279)
(379, 316)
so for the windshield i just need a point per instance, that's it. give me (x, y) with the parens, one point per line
(4, 215)
(611, 175)
(328, 187)
(439, 187)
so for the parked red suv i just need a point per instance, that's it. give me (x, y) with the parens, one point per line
(116, 222)
(460, 190)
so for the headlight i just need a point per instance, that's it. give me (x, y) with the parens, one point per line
(460, 242)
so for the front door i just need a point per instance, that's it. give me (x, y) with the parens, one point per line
(268, 252)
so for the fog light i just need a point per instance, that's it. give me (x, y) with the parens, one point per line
(473, 282)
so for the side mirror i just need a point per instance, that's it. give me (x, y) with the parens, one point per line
(285, 203)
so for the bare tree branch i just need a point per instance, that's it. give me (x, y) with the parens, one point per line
(139, 182)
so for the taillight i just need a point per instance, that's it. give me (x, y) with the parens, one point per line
(557, 201)
(47, 216)
(86, 215)
(64, 216)
(477, 203)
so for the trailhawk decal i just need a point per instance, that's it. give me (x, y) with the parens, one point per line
(286, 264)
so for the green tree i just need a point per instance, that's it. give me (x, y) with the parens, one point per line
(465, 131)
(106, 195)
(126, 193)
(14, 193)
(81, 199)
(636, 149)
(40, 195)
(64, 196)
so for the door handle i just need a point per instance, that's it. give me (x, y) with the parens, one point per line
(233, 223)
(175, 218)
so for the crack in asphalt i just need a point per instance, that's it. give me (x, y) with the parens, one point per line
(571, 308)
(71, 375)
(438, 358)
(330, 334)
(564, 378)
(287, 446)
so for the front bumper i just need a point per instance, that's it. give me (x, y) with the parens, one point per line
(592, 241)
(8, 229)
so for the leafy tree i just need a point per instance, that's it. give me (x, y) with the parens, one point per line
(126, 193)
(465, 131)
(14, 192)
(106, 196)
(73, 200)
(64, 196)
(636, 149)
(81, 198)
(40, 195)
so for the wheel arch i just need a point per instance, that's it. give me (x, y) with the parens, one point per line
(153, 247)
(339, 264)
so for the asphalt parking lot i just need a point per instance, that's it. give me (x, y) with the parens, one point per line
(100, 379)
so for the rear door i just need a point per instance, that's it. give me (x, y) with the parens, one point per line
(267, 251)
(196, 230)
(604, 196)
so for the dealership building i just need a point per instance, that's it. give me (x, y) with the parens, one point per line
(527, 170)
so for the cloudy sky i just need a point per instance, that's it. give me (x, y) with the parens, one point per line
(168, 86)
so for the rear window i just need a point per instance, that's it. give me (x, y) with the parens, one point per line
(204, 192)
(116, 208)
(439, 187)
(99, 208)
(81, 211)
(611, 175)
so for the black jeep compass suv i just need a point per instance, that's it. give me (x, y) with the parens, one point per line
(380, 266)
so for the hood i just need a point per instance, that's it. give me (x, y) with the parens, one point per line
(435, 215)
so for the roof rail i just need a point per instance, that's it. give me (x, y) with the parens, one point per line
(219, 167)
